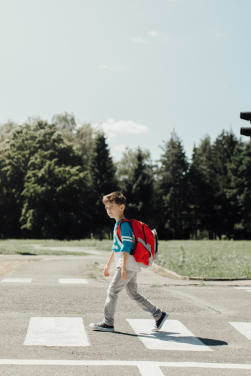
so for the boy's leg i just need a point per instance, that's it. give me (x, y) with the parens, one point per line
(132, 290)
(116, 285)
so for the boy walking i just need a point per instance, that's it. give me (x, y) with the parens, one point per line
(126, 268)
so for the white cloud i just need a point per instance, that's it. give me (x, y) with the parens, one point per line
(139, 40)
(112, 68)
(114, 128)
(154, 33)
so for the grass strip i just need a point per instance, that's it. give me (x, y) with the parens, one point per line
(207, 259)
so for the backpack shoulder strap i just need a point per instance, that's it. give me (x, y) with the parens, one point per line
(119, 229)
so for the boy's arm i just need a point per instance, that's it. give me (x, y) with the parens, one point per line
(108, 264)
(124, 261)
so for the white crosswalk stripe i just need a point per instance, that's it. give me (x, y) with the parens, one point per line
(150, 370)
(16, 280)
(66, 281)
(173, 336)
(56, 331)
(243, 327)
(72, 281)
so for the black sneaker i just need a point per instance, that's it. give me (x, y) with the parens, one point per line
(159, 323)
(102, 327)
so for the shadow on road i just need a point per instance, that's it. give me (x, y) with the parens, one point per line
(27, 254)
(169, 336)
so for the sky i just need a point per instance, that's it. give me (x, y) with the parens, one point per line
(138, 68)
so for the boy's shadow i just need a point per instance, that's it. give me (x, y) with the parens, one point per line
(169, 336)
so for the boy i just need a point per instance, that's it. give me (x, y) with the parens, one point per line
(126, 268)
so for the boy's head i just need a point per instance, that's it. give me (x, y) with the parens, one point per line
(115, 204)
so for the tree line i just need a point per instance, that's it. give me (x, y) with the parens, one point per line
(53, 176)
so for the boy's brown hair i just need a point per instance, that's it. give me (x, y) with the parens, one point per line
(116, 197)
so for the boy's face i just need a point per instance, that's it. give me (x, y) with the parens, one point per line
(114, 210)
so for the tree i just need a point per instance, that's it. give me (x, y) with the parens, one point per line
(239, 191)
(103, 181)
(14, 163)
(84, 141)
(56, 201)
(245, 196)
(222, 153)
(201, 193)
(135, 172)
(6, 130)
(43, 177)
(173, 206)
(64, 122)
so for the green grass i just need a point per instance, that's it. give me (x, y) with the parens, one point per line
(201, 258)
(207, 259)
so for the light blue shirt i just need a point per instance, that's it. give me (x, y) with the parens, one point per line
(126, 243)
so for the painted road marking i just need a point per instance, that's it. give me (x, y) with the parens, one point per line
(56, 331)
(16, 280)
(150, 370)
(243, 327)
(77, 281)
(173, 336)
(142, 365)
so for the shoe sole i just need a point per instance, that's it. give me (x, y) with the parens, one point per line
(103, 330)
(99, 329)
(162, 323)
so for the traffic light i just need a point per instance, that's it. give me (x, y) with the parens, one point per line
(246, 131)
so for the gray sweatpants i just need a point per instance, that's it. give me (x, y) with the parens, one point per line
(116, 285)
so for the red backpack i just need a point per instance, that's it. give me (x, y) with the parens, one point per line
(146, 241)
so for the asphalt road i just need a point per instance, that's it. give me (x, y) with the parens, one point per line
(44, 324)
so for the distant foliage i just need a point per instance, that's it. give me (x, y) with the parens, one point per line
(53, 177)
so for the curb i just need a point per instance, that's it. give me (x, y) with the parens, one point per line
(170, 274)
(167, 273)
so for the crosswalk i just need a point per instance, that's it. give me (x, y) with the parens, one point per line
(73, 332)
(70, 331)
(65, 281)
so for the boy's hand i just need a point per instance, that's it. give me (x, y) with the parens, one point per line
(106, 271)
(124, 274)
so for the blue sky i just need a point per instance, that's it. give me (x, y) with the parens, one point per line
(140, 68)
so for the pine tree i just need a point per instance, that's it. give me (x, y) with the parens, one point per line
(222, 153)
(136, 180)
(239, 190)
(102, 169)
(103, 181)
(245, 197)
(173, 191)
(201, 197)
